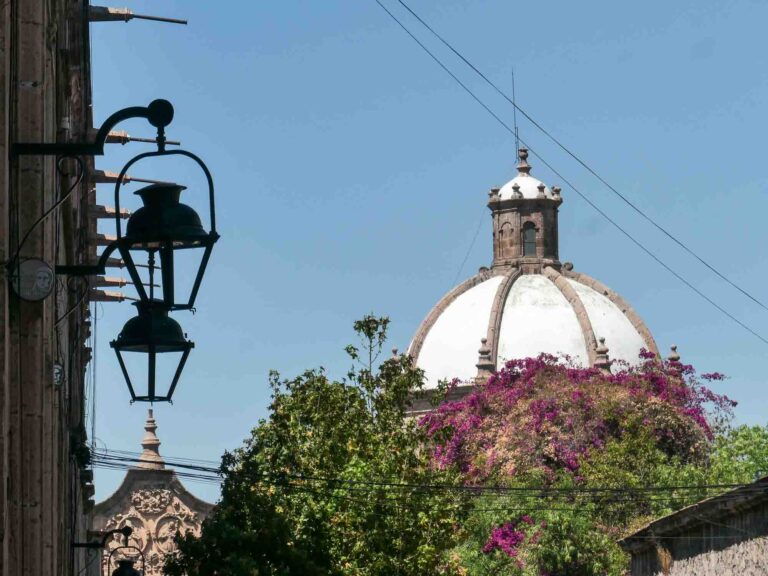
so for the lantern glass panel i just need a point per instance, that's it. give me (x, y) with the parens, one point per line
(152, 350)
(166, 245)
(153, 375)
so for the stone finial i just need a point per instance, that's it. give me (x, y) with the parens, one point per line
(494, 194)
(516, 191)
(485, 365)
(673, 356)
(522, 166)
(556, 192)
(541, 189)
(602, 360)
(150, 458)
(394, 352)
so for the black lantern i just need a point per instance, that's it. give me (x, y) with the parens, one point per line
(151, 338)
(125, 568)
(162, 227)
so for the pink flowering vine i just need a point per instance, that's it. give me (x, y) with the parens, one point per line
(546, 415)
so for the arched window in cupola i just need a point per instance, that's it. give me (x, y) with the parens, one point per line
(505, 240)
(529, 239)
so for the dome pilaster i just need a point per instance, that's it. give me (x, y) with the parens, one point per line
(587, 332)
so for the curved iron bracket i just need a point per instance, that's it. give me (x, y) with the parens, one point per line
(159, 113)
(126, 531)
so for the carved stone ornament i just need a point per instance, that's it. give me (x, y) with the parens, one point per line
(151, 501)
(156, 515)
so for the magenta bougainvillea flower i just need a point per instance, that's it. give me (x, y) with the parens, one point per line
(545, 416)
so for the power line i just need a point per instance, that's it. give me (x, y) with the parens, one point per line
(568, 183)
(469, 250)
(532, 491)
(573, 155)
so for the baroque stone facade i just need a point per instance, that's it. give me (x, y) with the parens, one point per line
(155, 504)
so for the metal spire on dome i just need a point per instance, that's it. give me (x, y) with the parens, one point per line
(522, 166)
(150, 458)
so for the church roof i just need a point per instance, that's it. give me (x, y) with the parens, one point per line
(523, 185)
(557, 312)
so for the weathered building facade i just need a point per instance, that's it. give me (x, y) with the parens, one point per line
(155, 504)
(45, 85)
(722, 536)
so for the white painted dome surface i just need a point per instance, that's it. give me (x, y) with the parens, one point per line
(529, 187)
(450, 347)
(609, 322)
(537, 318)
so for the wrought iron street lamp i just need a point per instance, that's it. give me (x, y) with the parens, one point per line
(164, 226)
(161, 228)
(149, 334)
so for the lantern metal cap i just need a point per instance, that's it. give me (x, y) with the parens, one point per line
(151, 328)
(164, 218)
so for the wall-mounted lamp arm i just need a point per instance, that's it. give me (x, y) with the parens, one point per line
(159, 113)
(89, 269)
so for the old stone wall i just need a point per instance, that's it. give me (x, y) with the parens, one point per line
(749, 558)
(44, 97)
(725, 537)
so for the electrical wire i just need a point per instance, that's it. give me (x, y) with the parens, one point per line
(532, 491)
(76, 305)
(469, 250)
(569, 184)
(514, 504)
(573, 155)
(81, 171)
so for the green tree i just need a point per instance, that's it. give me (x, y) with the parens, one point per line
(323, 485)
(575, 450)
(739, 455)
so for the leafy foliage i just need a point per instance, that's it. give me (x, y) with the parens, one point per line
(298, 498)
(338, 481)
(580, 438)
(740, 455)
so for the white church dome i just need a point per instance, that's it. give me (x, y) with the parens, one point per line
(527, 302)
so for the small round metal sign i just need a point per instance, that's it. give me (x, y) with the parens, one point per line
(33, 280)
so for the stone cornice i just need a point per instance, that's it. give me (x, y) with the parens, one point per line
(512, 204)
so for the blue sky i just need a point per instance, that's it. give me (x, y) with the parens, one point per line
(352, 174)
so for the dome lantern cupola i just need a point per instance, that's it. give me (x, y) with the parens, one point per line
(524, 213)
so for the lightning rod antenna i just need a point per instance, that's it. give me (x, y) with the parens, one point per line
(514, 111)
